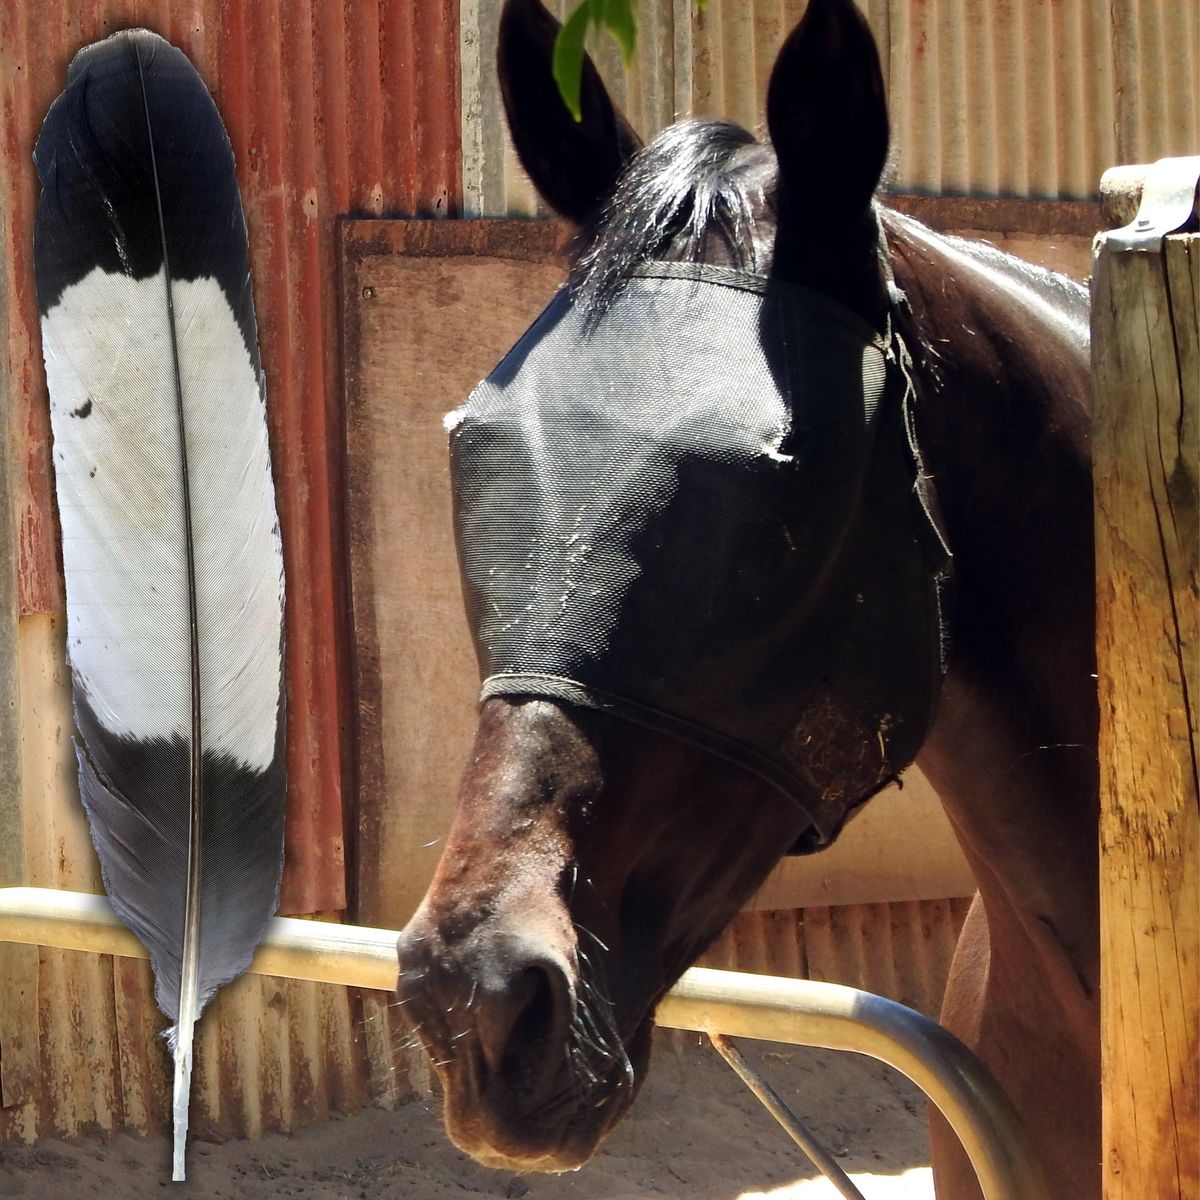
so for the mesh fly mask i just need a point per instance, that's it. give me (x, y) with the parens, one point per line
(698, 510)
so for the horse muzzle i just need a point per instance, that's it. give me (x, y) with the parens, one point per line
(533, 1069)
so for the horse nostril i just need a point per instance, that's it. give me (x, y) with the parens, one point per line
(517, 1022)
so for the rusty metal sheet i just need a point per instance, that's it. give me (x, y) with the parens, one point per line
(331, 108)
(1001, 97)
(269, 1058)
(1156, 52)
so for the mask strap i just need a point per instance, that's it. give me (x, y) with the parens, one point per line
(931, 530)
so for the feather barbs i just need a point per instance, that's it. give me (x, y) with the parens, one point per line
(170, 540)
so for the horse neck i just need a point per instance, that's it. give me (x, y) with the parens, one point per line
(1003, 427)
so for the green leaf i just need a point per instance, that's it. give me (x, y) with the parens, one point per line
(568, 57)
(617, 17)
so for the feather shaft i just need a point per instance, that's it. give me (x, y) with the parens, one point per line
(189, 973)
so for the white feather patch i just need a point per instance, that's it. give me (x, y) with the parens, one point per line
(117, 462)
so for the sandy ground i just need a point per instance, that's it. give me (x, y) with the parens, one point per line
(694, 1134)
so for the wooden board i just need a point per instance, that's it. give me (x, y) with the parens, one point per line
(1055, 234)
(1147, 462)
(429, 307)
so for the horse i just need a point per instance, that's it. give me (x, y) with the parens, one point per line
(593, 854)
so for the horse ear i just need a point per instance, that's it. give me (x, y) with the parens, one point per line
(573, 164)
(827, 115)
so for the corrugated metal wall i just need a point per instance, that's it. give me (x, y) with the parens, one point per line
(900, 949)
(1020, 98)
(651, 94)
(331, 108)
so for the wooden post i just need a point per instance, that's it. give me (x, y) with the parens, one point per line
(1145, 316)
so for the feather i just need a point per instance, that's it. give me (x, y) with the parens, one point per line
(170, 541)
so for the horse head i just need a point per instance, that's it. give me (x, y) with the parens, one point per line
(697, 570)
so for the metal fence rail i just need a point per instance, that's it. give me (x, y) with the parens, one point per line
(719, 1003)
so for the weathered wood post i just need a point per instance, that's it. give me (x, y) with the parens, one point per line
(1146, 367)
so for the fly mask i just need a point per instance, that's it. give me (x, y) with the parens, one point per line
(701, 509)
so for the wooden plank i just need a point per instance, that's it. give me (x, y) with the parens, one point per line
(1147, 375)
(1056, 234)
(430, 308)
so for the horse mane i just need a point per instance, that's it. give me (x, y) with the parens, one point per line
(1056, 298)
(968, 292)
(694, 180)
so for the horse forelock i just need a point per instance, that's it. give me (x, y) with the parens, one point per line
(697, 179)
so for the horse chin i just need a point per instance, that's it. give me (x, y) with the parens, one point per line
(536, 1134)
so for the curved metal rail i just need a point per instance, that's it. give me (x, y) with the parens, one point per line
(805, 1012)
(719, 1003)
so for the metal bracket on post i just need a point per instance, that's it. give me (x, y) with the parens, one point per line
(1167, 204)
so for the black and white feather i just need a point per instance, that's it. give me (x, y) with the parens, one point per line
(170, 541)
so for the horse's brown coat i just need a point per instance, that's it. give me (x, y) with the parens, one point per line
(590, 860)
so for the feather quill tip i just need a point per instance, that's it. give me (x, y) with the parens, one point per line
(180, 1099)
